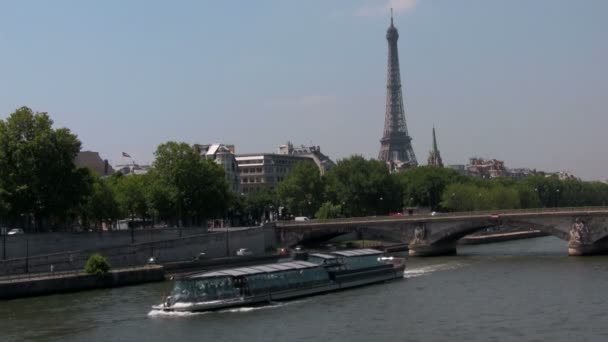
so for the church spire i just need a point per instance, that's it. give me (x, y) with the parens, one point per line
(434, 141)
(434, 155)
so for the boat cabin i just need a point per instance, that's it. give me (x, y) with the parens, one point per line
(247, 281)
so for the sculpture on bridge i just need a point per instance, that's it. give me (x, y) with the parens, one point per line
(579, 233)
(419, 235)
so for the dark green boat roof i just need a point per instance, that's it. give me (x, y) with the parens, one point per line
(268, 268)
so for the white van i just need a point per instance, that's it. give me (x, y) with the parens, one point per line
(301, 219)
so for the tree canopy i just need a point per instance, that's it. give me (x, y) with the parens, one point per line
(302, 190)
(38, 178)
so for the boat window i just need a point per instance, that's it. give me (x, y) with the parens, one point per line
(363, 261)
(203, 290)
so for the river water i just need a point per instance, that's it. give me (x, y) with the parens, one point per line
(526, 290)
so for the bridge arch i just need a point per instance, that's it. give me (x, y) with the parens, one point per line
(452, 235)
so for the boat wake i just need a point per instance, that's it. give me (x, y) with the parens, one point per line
(273, 305)
(161, 313)
(424, 270)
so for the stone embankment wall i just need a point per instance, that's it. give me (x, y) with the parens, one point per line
(17, 246)
(214, 245)
(79, 282)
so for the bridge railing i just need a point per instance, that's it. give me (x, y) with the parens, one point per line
(442, 215)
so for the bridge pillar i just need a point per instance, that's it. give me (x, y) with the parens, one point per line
(582, 249)
(418, 250)
(581, 243)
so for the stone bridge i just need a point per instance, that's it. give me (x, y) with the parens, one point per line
(585, 229)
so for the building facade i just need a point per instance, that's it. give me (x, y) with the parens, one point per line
(224, 156)
(133, 169)
(323, 162)
(93, 161)
(265, 170)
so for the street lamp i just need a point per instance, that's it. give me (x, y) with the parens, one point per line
(227, 242)
(4, 231)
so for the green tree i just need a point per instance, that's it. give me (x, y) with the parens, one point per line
(102, 205)
(197, 185)
(500, 197)
(302, 190)
(329, 210)
(460, 197)
(160, 199)
(256, 204)
(97, 264)
(363, 187)
(424, 186)
(528, 197)
(37, 171)
(130, 193)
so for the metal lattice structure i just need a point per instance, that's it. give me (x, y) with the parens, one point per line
(396, 144)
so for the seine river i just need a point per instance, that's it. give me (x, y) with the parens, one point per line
(526, 290)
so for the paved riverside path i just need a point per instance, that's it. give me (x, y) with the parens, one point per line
(585, 228)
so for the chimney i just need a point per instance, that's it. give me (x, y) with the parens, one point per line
(105, 167)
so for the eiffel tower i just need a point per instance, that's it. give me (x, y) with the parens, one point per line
(396, 144)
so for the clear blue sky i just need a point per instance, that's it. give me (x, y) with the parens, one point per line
(518, 80)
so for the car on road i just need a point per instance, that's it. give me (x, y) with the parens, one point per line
(15, 231)
(201, 256)
(244, 252)
(301, 219)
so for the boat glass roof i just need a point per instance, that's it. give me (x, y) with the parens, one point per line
(358, 252)
(323, 256)
(268, 268)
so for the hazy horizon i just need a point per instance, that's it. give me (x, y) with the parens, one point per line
(523, 82)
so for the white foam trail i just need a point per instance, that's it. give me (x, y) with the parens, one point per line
(420, 271)
(272, 305)
(161, 313)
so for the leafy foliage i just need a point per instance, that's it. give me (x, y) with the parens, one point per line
(97, 264)
(302, 190)
(425, 185)
(329, 210)
(197, 186)
(363, 187)
(38, 177)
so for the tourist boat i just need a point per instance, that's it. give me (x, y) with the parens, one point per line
(306, 275)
